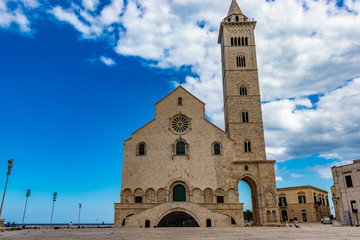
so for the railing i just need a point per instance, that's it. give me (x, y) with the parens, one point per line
(241, 20)
(282, 204)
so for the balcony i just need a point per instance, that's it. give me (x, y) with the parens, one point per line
(282, 204)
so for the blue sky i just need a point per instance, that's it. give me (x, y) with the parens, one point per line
(77, 78)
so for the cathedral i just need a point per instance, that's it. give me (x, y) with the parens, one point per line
(180, 170)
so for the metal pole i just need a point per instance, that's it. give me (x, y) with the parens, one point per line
(7, 178)
(27, 196)
(79, 213)
(52, 212)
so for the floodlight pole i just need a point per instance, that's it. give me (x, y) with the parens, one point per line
(27, 196)
(7, 178)
(52, 212)
(79, 213)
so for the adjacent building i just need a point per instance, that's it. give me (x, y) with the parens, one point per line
(346, 192)
(303, 204)
(181, 170)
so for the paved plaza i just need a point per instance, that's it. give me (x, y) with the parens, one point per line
(306, 231)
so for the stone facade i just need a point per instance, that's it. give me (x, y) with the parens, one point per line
(346, 193)
(180, 169)
(303, 204)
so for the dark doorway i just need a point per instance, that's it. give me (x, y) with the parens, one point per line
(208, 222)
(284, 215)
(179, 193)
(147, 223)
(304, 217)
(178, 219)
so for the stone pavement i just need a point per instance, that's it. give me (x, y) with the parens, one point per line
(307, 231)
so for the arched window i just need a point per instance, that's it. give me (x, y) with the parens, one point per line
(141, 149)
(235, 41)
(245, 117)
(242, 41)
(180, 147)
(237, 18)
(246, 41)
(179, 101)
(247, 146)
(239, 42)
(243, 90)
(246, 168)
(179, 193)
(232, 41)
(147, 223)
(240, 61)
(216, 149)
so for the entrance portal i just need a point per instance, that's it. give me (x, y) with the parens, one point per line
(179, 193)
(178, 219)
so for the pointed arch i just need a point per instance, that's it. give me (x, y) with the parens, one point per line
(252, 183)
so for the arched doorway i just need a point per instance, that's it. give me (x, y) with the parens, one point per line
(178, 219)
(249, 195)
(284, 215)
(208, 222)
(179, 193)
(147, 223)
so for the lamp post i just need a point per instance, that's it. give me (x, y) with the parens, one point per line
(27, 196)
(79, 213)
(7, 178)
(52, 212)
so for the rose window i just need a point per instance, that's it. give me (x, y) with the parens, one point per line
(180, 124)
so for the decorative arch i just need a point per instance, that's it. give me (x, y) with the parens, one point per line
(220, 195)
(208, 195)
(138, 195)
(270, 198)
(150, 195)
(161, 195)
(126, 196)
(232, 196)
(196, 196)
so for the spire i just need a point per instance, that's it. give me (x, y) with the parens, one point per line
(234, 8)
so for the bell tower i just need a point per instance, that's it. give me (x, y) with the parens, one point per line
(243, 117)
(242, 103)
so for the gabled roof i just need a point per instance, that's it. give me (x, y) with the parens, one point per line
(181, 87)
(234, 8)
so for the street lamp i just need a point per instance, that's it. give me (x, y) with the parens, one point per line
(27, 196)
(7, 178)
(52, 212)
(79, 213)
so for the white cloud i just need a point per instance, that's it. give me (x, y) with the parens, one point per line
(294, 175)
(279, 179)
(90, 4)
(107, 61)
(15, 15)
(303, 47)
(323, 171)
(330, 128)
